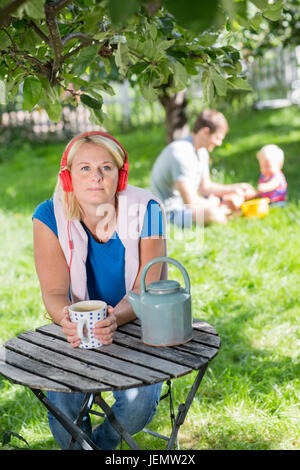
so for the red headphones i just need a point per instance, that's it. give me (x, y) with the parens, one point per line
(65, 176)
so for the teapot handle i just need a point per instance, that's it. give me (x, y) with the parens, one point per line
(165, 259)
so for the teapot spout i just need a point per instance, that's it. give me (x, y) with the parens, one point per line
(135, 301)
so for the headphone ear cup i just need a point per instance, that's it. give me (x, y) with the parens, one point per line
(66, 182)
(123, 178)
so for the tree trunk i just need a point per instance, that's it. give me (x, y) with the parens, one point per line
(176, 120)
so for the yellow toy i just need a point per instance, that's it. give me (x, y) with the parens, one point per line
(256, 207)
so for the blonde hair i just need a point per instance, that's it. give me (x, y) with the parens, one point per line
(71, 206)
(273, 153)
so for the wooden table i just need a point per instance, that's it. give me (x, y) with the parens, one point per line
(44, 360)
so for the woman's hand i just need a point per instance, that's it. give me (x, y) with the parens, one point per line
(70, 329)
(104, 329)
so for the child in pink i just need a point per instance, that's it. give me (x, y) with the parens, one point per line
(272, 183)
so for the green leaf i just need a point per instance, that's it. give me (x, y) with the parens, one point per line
(15, 80)
(90, 102)
(49, 101)
(92, 18)
(208, 88)
(274, 11)
(157, 77)
(53, 110)
(103, 86)
(256, 20)
(220, 82)
(96, 116)
(122, 57)
(84, 59)
(260, 4)
(207, 39)
(120, 11)
(2, 92)
(35, 9)
(192, 14)
(153, 31)
(30, 40)
(138, 68)
(147, 90)
(148, 48)
(191, 67)
(32, 90)
(238, 83)
(162, 45)
(4, 40)
(180, 76)
(51, 94)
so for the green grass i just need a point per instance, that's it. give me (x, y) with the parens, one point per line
(245, 282)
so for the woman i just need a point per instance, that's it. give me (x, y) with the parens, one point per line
(92, 240)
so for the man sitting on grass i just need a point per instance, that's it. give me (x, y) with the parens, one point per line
(181, 179)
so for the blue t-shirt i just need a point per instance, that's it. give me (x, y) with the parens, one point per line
(105, 264)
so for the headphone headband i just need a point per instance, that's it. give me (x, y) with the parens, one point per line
(64, 159)
(65, 174)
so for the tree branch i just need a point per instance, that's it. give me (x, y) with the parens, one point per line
(150, 62)
(56, 6)
(74, 51)
(106, 49)
(51, 11)
(42, 68)
(39, 32)
(84, 38)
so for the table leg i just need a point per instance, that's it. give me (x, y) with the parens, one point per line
(77, 434)
(115, 423)
(86, 404)
(184, 407)
(172, 415)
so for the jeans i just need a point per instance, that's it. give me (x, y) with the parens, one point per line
(133, 408)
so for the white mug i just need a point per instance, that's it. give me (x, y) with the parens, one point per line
(86, 313)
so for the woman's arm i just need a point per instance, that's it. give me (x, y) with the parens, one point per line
(207, 187)
(123, 312)
(53, 274)
(52, 270)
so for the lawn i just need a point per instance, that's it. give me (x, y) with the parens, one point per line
(244, 277)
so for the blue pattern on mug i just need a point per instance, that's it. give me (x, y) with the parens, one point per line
(92, 317)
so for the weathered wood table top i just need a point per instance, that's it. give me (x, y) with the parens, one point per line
(43, 359)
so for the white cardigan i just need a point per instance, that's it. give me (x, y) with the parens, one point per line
(132, 207)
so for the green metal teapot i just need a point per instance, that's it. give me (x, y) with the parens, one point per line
(164, 308)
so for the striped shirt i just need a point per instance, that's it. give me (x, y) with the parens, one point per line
(278, 194)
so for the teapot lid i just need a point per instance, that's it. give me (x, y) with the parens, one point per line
(163, 287)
